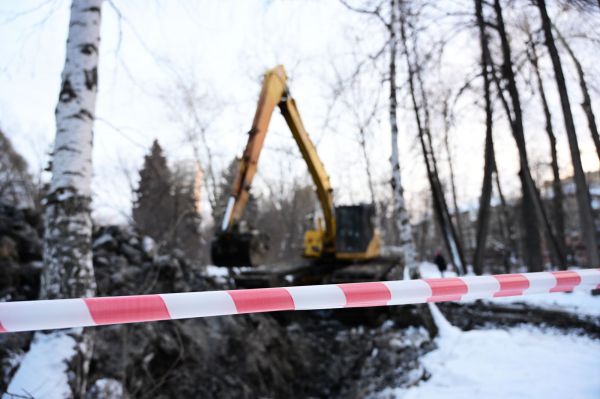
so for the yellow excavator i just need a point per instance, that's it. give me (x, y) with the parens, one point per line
(349, 233)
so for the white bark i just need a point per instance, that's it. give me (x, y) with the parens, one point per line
(68, 270)
(68, 262)
(400, 213)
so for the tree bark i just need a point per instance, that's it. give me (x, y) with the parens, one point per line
(483, 215)
(506, 225)
(557, 199)
(459, 224)
(586, 104)
(68, 270)
(533, 210)
(400, 213)
(586, 217)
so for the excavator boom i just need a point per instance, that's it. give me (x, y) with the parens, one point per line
(230, 245)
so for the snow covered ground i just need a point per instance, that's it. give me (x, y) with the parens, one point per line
(579, 301)
(524, 362)
(42, 373)
(521, 362)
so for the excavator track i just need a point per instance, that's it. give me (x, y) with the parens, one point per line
(315, 272)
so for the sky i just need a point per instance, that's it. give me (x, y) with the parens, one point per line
(222, 48)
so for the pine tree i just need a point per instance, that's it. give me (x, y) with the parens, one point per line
(153, 208)
(16, 185)
(184, 228)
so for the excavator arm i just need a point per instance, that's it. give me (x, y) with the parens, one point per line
(274, 93)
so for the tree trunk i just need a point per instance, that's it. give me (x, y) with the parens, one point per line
(557, 199)
(505, 222)
(68, 270)
(439, 203)
(586, 217)
(483, 215)
(363, 146)
(533, 210)
(459, 224)
(400, 213)
(529, 233)
(456, 249)
(587, 101)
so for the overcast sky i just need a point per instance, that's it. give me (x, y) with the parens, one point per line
(224, 47)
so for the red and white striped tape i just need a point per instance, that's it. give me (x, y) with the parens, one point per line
(83, 312)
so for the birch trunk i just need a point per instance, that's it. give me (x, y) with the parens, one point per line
(68, 270)
(400, 213)
(586, 217)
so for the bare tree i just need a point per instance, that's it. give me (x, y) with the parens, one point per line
(195, 110)
(364, 113)
(416, 89)
(586, 104)
(483, 215)
(390, 24)
(447, 115)
(586, 217)
(557, 198)
(68, 270)
(534, 214)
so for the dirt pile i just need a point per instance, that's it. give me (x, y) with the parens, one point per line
(298, 354)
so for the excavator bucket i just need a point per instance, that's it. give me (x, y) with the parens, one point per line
(234, 249)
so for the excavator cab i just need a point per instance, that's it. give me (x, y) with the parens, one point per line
(356, 236)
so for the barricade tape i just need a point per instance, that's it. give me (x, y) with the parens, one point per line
(84, 312)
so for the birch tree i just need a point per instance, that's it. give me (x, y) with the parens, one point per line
(68, 270)
(400, 213)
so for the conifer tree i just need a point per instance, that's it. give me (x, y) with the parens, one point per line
(153, 207)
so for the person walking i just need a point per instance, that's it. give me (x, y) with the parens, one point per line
(440, 262)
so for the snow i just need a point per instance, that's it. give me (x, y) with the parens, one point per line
(103, 239)
(43, 371)
(430, 270)
(445, 329)
(523, 362)
(579, 301)
(216, 271)
(149, 245)
(106, 388)
(223, 272)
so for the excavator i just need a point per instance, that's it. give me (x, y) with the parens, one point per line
(344, 235)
